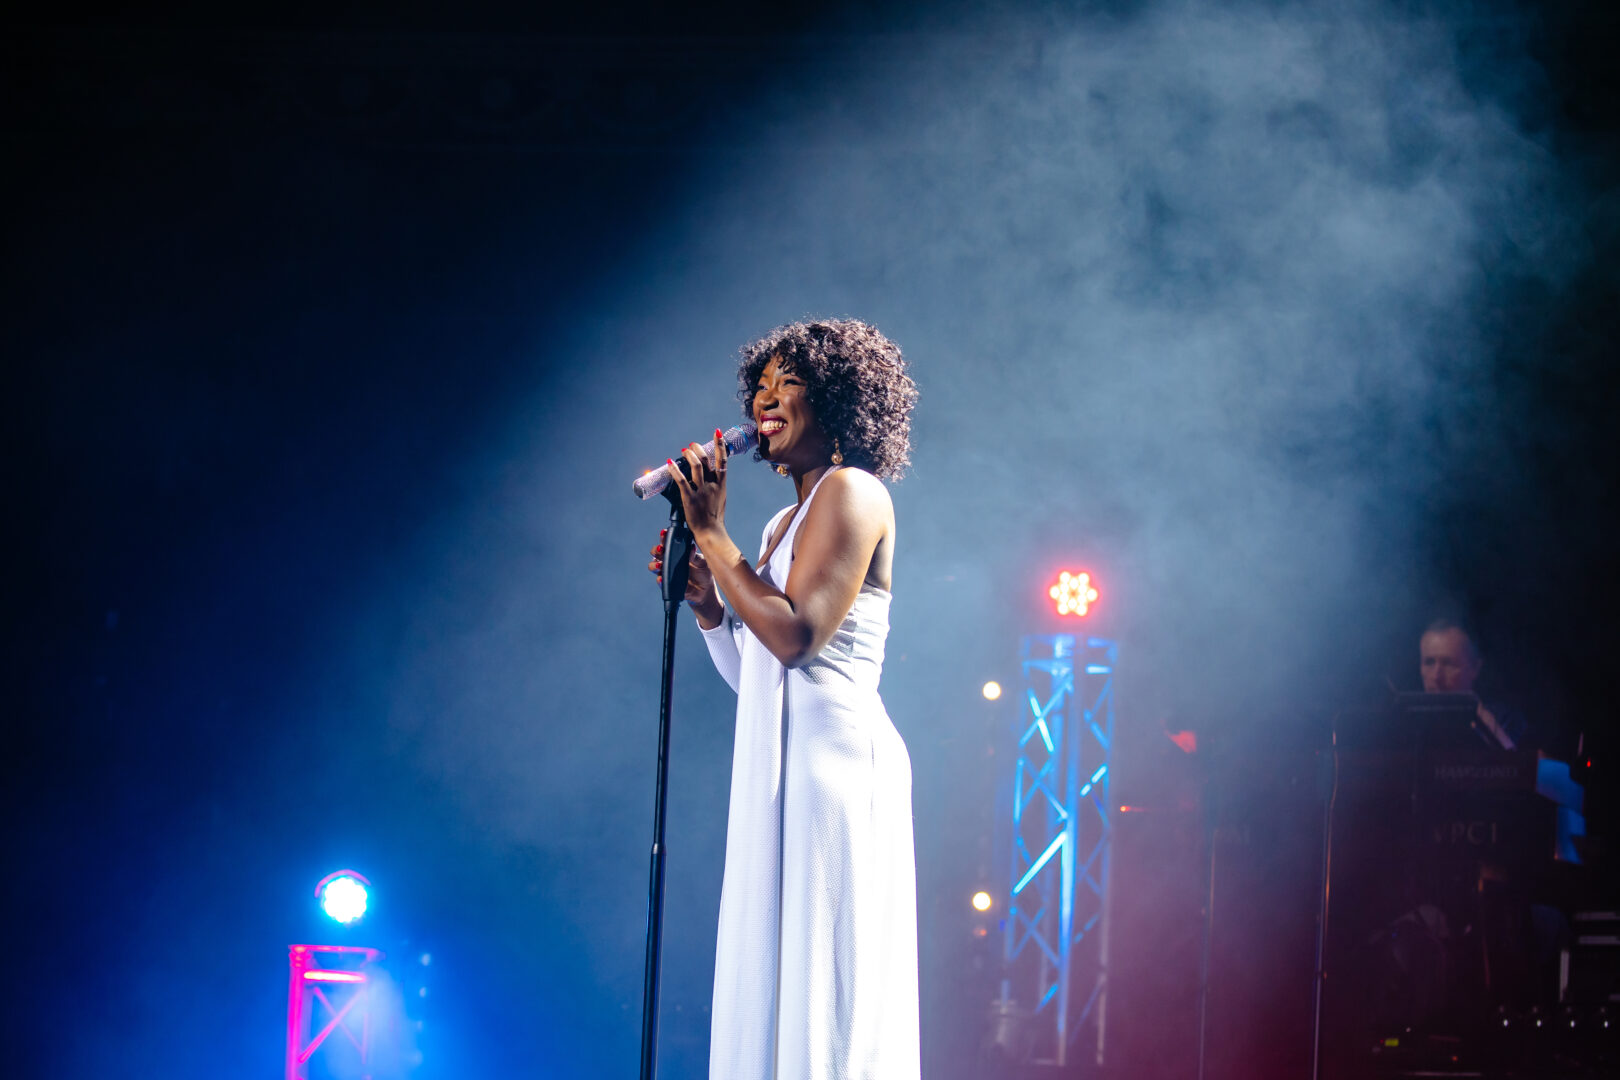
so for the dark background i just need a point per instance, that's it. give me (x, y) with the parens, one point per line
(296, 299)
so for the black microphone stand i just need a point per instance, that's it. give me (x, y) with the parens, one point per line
(677, 550)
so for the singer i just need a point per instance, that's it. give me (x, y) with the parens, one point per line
(816, 963)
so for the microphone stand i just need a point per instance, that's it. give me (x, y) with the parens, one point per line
(1213, 810)
(1327, 773)
(677, 550)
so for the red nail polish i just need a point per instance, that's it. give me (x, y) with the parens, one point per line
(716, 433)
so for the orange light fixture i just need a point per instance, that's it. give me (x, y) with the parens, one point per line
(1073, 594)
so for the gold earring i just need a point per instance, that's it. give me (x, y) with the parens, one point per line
(783, 469)
(838, 455)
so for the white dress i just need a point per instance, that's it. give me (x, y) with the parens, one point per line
(816, 964)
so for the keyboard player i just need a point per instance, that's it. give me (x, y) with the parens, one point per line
(1450, 663)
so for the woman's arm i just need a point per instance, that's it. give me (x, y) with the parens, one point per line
(848, 518)
(722, 632)
(724, 648)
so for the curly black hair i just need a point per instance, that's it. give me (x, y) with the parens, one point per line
(858, 387)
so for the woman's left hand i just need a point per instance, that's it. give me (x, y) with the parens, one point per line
(704, 496)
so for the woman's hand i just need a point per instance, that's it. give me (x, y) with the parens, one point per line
(704, 496)
(701, 594)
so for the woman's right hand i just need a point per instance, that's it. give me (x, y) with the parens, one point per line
(701, 594)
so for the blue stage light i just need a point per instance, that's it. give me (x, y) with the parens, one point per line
(343, 896)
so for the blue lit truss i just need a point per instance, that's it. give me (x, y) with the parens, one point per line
(1056, 952)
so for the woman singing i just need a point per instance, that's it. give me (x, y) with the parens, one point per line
(816, 964)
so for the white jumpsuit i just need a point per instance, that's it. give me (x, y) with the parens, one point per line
(816, 964)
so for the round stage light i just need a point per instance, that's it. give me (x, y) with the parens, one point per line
(1073, 594)
(343, 895)
(981, 901)
(992, 690)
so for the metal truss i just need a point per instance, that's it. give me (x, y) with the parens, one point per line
(1056, 954)
(337, 979)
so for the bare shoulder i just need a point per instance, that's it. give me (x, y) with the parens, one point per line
(859, 493)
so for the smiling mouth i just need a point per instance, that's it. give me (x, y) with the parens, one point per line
(767, 428)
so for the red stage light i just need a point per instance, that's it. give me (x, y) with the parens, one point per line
(1073, 594)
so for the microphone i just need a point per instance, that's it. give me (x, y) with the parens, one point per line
(745, 436)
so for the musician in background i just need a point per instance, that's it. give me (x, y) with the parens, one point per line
(1450, 662)
(1520, 937)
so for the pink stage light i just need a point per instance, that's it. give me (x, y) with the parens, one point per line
(321, 975)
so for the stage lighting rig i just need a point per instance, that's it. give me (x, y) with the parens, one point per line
(331, 988)
(1060, 821)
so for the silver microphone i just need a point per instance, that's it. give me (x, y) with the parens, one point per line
(745, 436)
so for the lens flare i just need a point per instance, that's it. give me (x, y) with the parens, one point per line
(981, 901)
(992, 690)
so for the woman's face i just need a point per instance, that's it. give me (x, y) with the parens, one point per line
(788, 432)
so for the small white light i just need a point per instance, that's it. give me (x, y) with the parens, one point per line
(982, 901)
(992, 690)
(427, 958)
